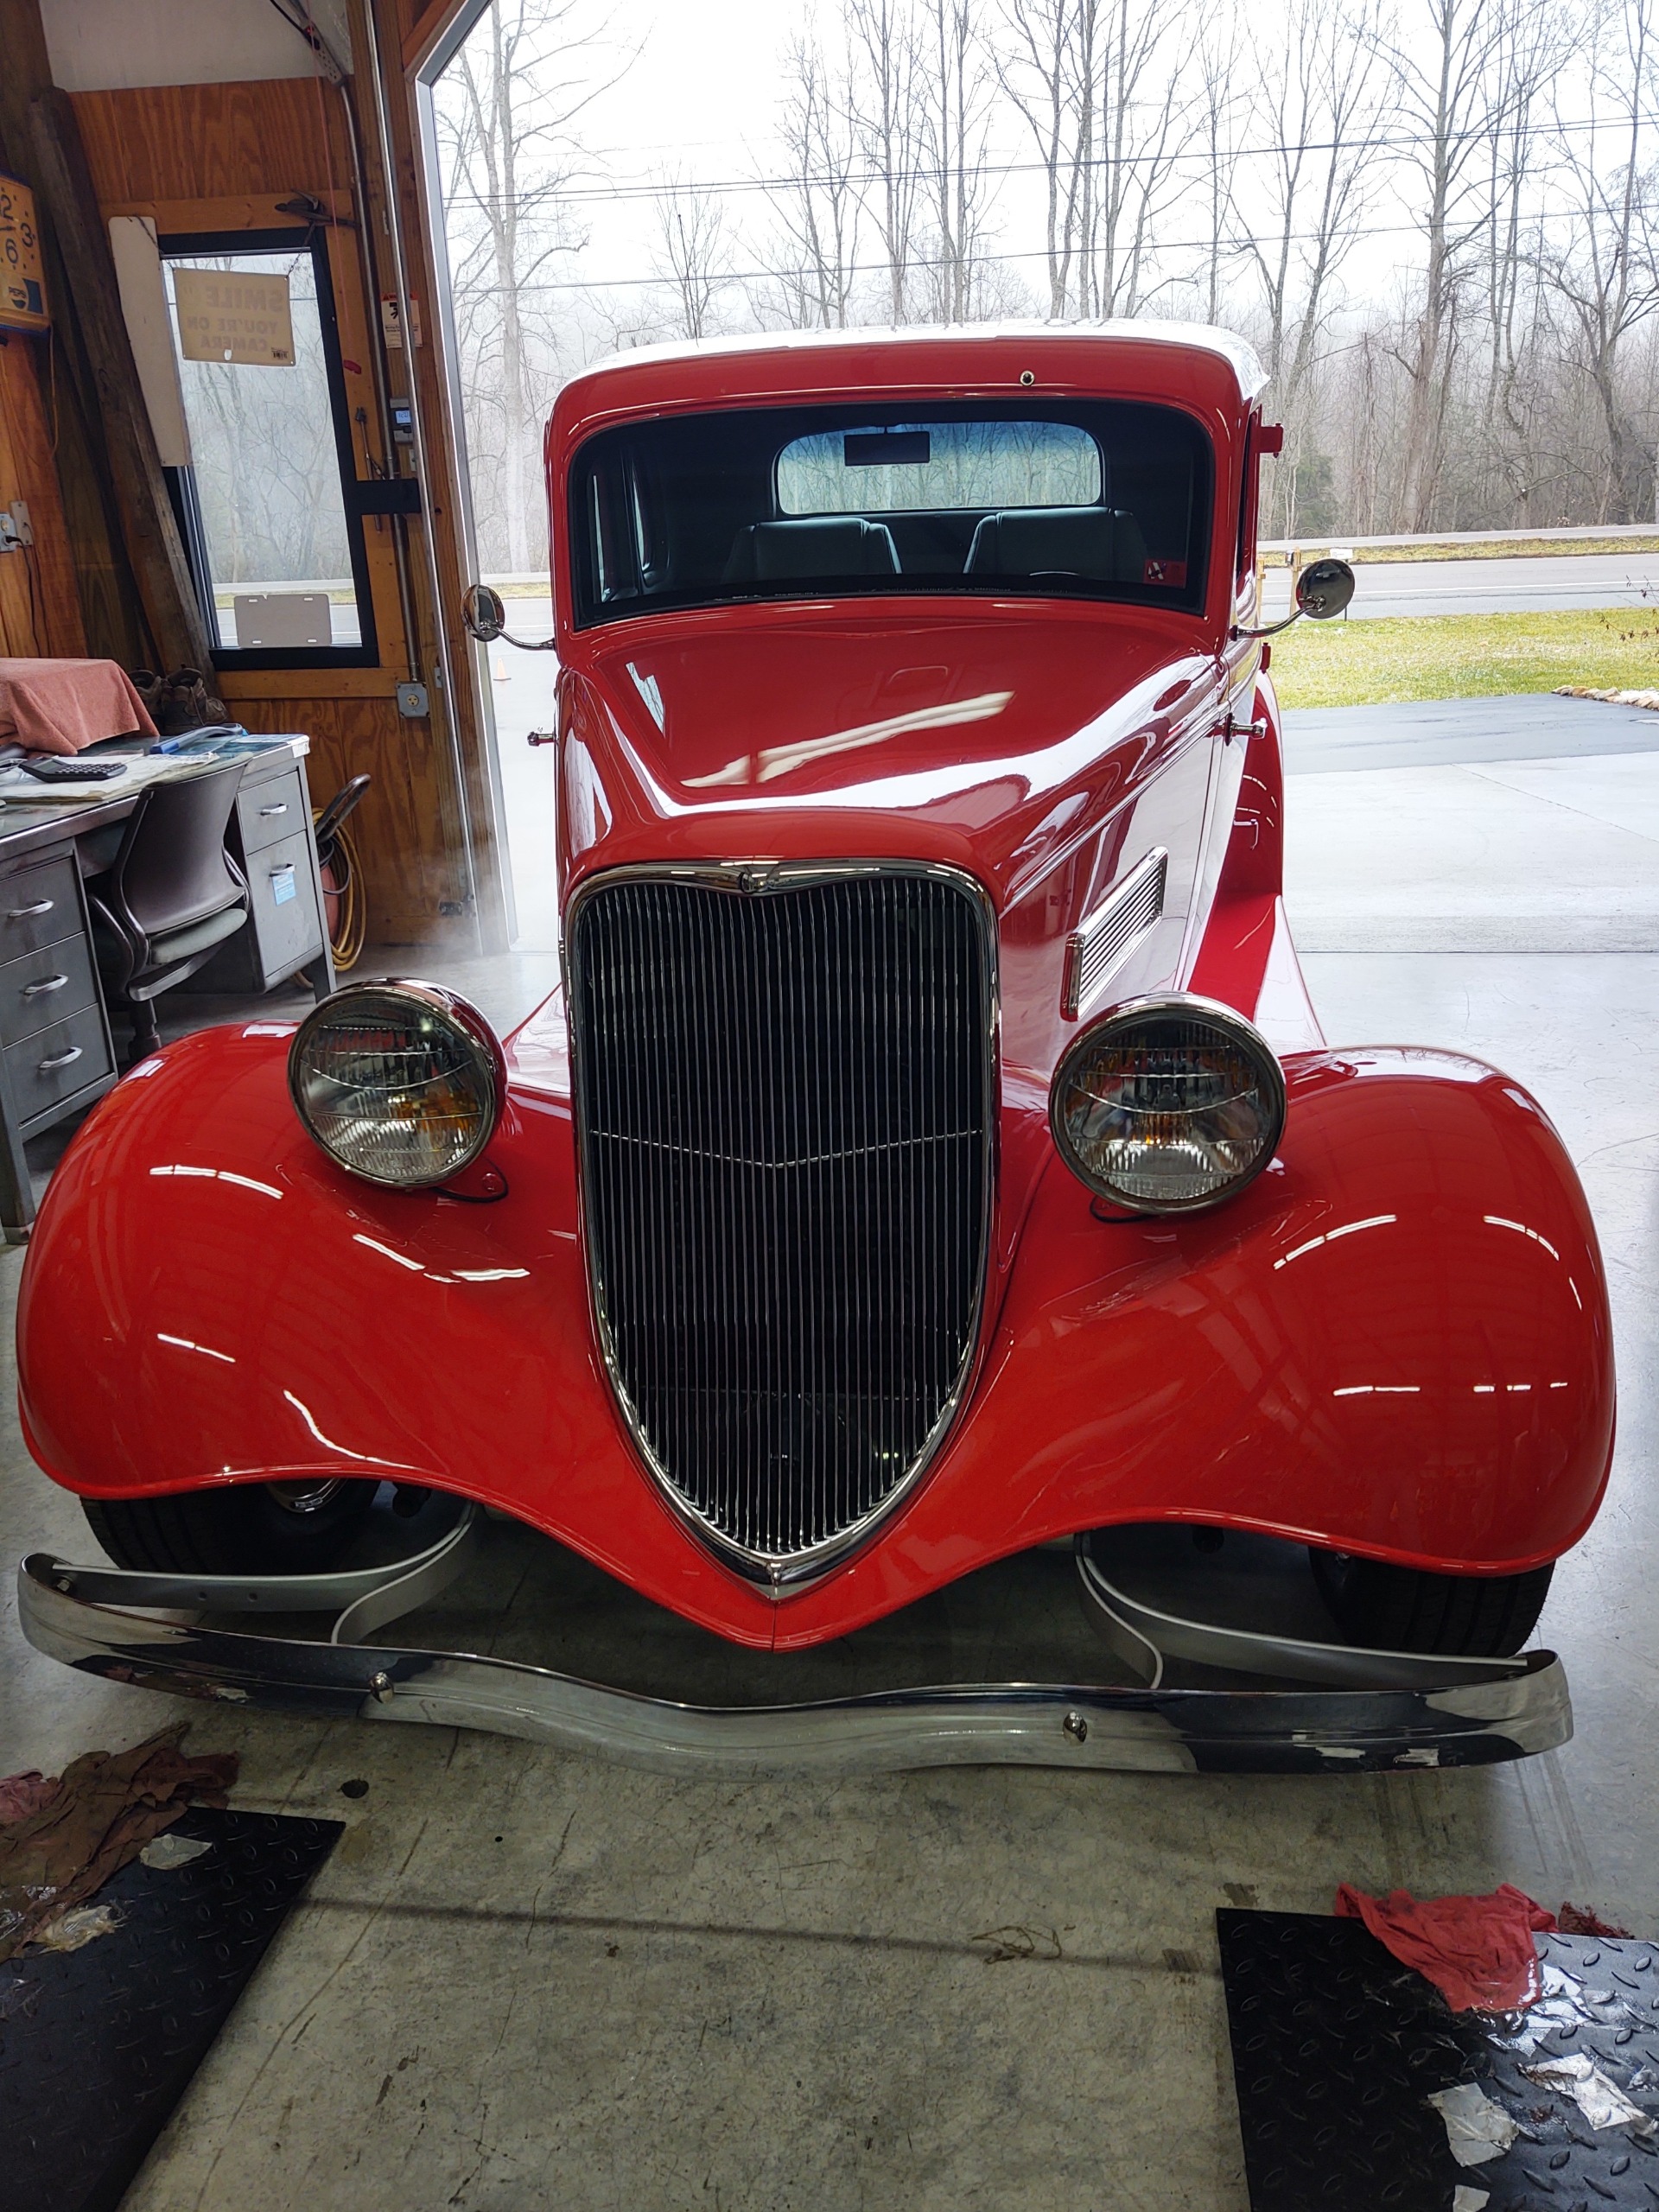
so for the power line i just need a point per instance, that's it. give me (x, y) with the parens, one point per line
(805, 273)
(637, 187)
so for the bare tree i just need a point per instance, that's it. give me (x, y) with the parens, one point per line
(1315, 93)
(954, 87)
(509, 110)
(885, 65)
(1046, 72)
(693, 255)
(1457, 81)
(818, 205)
(1217, 102)
(1140, 91)
(1607, 272)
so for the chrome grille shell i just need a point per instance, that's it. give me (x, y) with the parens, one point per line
(787, 1234)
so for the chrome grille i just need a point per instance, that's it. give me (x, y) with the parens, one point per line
(784, 1102)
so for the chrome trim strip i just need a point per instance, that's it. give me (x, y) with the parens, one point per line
(1103, 940)
(784, 1574)
(1003, 1724)
(1135, 1629)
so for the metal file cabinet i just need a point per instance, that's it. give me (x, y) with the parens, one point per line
(56, 1056)
(271, 840)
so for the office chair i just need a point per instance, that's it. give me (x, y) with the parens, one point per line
(170, 897)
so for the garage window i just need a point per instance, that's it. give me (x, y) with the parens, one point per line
(268, 505)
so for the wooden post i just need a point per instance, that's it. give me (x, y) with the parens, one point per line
(63, 187)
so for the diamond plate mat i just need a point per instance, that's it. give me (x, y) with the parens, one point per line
(1336, 2049)
(97, 2045)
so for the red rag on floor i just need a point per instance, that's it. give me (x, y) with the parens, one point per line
(1478, 1952)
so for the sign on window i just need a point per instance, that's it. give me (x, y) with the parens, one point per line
(227, 314)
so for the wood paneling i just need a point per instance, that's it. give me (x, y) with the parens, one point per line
(208, 157)
(407, 869)
(216, 142)
(75, 454)
(39, 607)
(91, 304)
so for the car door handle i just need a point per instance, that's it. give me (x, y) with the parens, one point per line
(55, 1060)
(29, 913)
(46, 983)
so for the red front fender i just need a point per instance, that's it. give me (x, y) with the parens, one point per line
(1395, 1342)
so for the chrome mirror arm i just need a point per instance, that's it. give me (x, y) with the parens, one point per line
(485, 617)
(1271, 629)
(1323, 589)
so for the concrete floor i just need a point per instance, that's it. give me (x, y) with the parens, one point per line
(526, 1979)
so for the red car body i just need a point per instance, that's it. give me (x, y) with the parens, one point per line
(1393, 1342)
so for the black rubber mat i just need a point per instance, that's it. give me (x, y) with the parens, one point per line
(96, 2046)
(1336, 2049)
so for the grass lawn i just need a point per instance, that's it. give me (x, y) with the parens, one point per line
(1465, 656)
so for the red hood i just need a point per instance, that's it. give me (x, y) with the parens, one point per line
(974, 736)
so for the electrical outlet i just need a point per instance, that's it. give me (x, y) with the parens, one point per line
(10, 537)
(412, 701)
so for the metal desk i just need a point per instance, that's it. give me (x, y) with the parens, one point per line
(56, 1053)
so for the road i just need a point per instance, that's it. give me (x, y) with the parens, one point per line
(1533, 584)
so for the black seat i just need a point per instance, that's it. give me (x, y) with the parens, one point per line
(1103, 543)
(818, 545)
(171, 895)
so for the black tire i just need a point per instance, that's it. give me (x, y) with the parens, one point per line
(1384, 1608)
(248, 1528)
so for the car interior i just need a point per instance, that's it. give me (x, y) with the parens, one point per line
(1106, 500)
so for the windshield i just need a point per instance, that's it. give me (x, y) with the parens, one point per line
(1094, 499)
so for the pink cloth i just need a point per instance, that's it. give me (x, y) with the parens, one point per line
(22, 1796)
(1478, 1952)
(63, 706)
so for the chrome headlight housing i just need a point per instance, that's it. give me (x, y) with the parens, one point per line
(1167, 1105)
(402, 1082)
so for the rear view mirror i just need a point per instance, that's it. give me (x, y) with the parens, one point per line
(1323, 588)
(484, 616)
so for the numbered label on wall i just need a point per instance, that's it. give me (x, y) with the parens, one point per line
(233, 314)
(22, 297)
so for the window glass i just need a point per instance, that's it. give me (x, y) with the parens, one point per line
(939, 465)
(273, 539)
(1090, 500)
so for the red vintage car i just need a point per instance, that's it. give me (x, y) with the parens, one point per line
(932, 1153)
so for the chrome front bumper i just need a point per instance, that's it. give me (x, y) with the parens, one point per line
(91, 1618)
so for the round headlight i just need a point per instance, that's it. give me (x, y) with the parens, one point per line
(1167, 1105)
(401, 1083)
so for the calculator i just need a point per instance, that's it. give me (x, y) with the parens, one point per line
(56, 768)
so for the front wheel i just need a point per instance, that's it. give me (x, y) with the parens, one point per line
(292, 1527)
(1385, 1608)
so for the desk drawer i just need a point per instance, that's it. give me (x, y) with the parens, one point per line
(287, 927)
(271, 809)
(60, 1060)
(38, 905)
(44, 987)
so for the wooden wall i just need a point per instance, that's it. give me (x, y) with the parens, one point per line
(40, 605)
(201, 157)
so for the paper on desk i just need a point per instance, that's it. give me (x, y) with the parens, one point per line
(143, 769)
